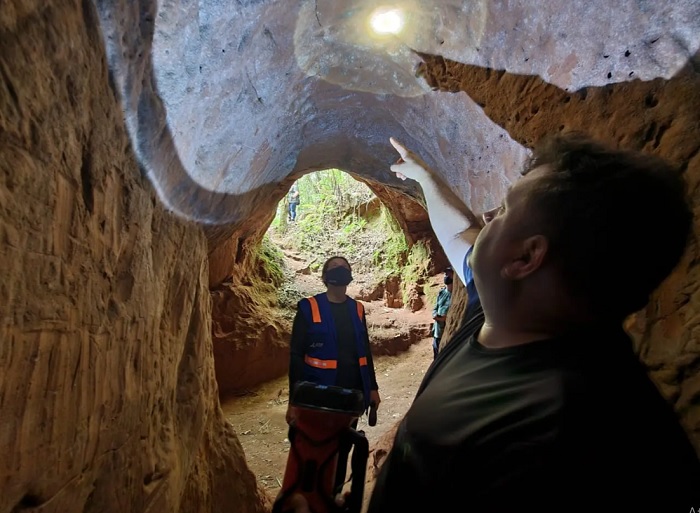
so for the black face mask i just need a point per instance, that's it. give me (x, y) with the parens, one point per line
(447, 280)
(339, 276)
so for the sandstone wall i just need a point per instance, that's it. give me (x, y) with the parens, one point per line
(108, 401)
(250, 336)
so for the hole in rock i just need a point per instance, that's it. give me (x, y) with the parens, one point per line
(396, 276)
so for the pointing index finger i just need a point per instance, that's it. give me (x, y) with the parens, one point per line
(399, 147)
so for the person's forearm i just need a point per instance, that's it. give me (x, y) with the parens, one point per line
(372, 376)
(442, 203)
(453, 223)
(296, 370)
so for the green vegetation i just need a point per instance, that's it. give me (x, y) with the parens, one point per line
(416, 269)
(391, 255)
(270, 262)
(395, 258)
(340, 215)
(272, 274)
(328, 211)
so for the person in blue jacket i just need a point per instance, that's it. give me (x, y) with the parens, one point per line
(442, 304)
(330, 342)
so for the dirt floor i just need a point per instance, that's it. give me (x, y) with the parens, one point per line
(402, 347)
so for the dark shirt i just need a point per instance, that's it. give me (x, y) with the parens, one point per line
(348, 359)
(555, 425)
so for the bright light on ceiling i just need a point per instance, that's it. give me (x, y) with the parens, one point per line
(386, 20)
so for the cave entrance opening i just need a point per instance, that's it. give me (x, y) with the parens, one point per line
(329, 212)
(381, 233)
(393, 277)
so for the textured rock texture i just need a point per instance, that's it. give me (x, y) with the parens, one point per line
(227, 98)
(108, 401)
(251, 338)
(107, 391)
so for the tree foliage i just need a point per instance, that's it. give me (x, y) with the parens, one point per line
(333, 219)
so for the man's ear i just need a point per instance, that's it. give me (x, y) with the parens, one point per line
(528, 259)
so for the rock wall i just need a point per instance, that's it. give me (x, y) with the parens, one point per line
(250, 333)
(108, 401)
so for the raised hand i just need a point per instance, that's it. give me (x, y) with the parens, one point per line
(409, 165)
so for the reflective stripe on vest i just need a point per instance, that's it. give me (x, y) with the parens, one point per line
(321, 364)
(315, 313)
(329, 364)
(316, 318)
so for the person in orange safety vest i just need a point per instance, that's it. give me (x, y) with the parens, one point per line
(330, 342)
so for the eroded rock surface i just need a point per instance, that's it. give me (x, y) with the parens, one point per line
(108, 401)
(250, 336)
(107, 391)
(227, 99)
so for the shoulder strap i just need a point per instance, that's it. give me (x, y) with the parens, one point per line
(315, 312)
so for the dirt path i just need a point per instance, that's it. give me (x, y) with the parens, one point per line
(258, 418)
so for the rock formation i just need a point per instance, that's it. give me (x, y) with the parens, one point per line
(108, 400)
(144, 146)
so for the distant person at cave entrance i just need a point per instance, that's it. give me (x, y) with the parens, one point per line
(293, 202)
(442, 304)
(539, 402)
(330, 344)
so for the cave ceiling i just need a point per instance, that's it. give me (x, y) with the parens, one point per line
(226, 101)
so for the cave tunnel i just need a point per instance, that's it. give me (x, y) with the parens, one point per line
(145, 145)
(252, 324)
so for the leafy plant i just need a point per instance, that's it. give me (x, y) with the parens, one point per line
(270, 262)
(390, 257)
(327, 217)
(329, 222)
(416, 268)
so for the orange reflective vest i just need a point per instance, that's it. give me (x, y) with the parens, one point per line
(321, 356)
